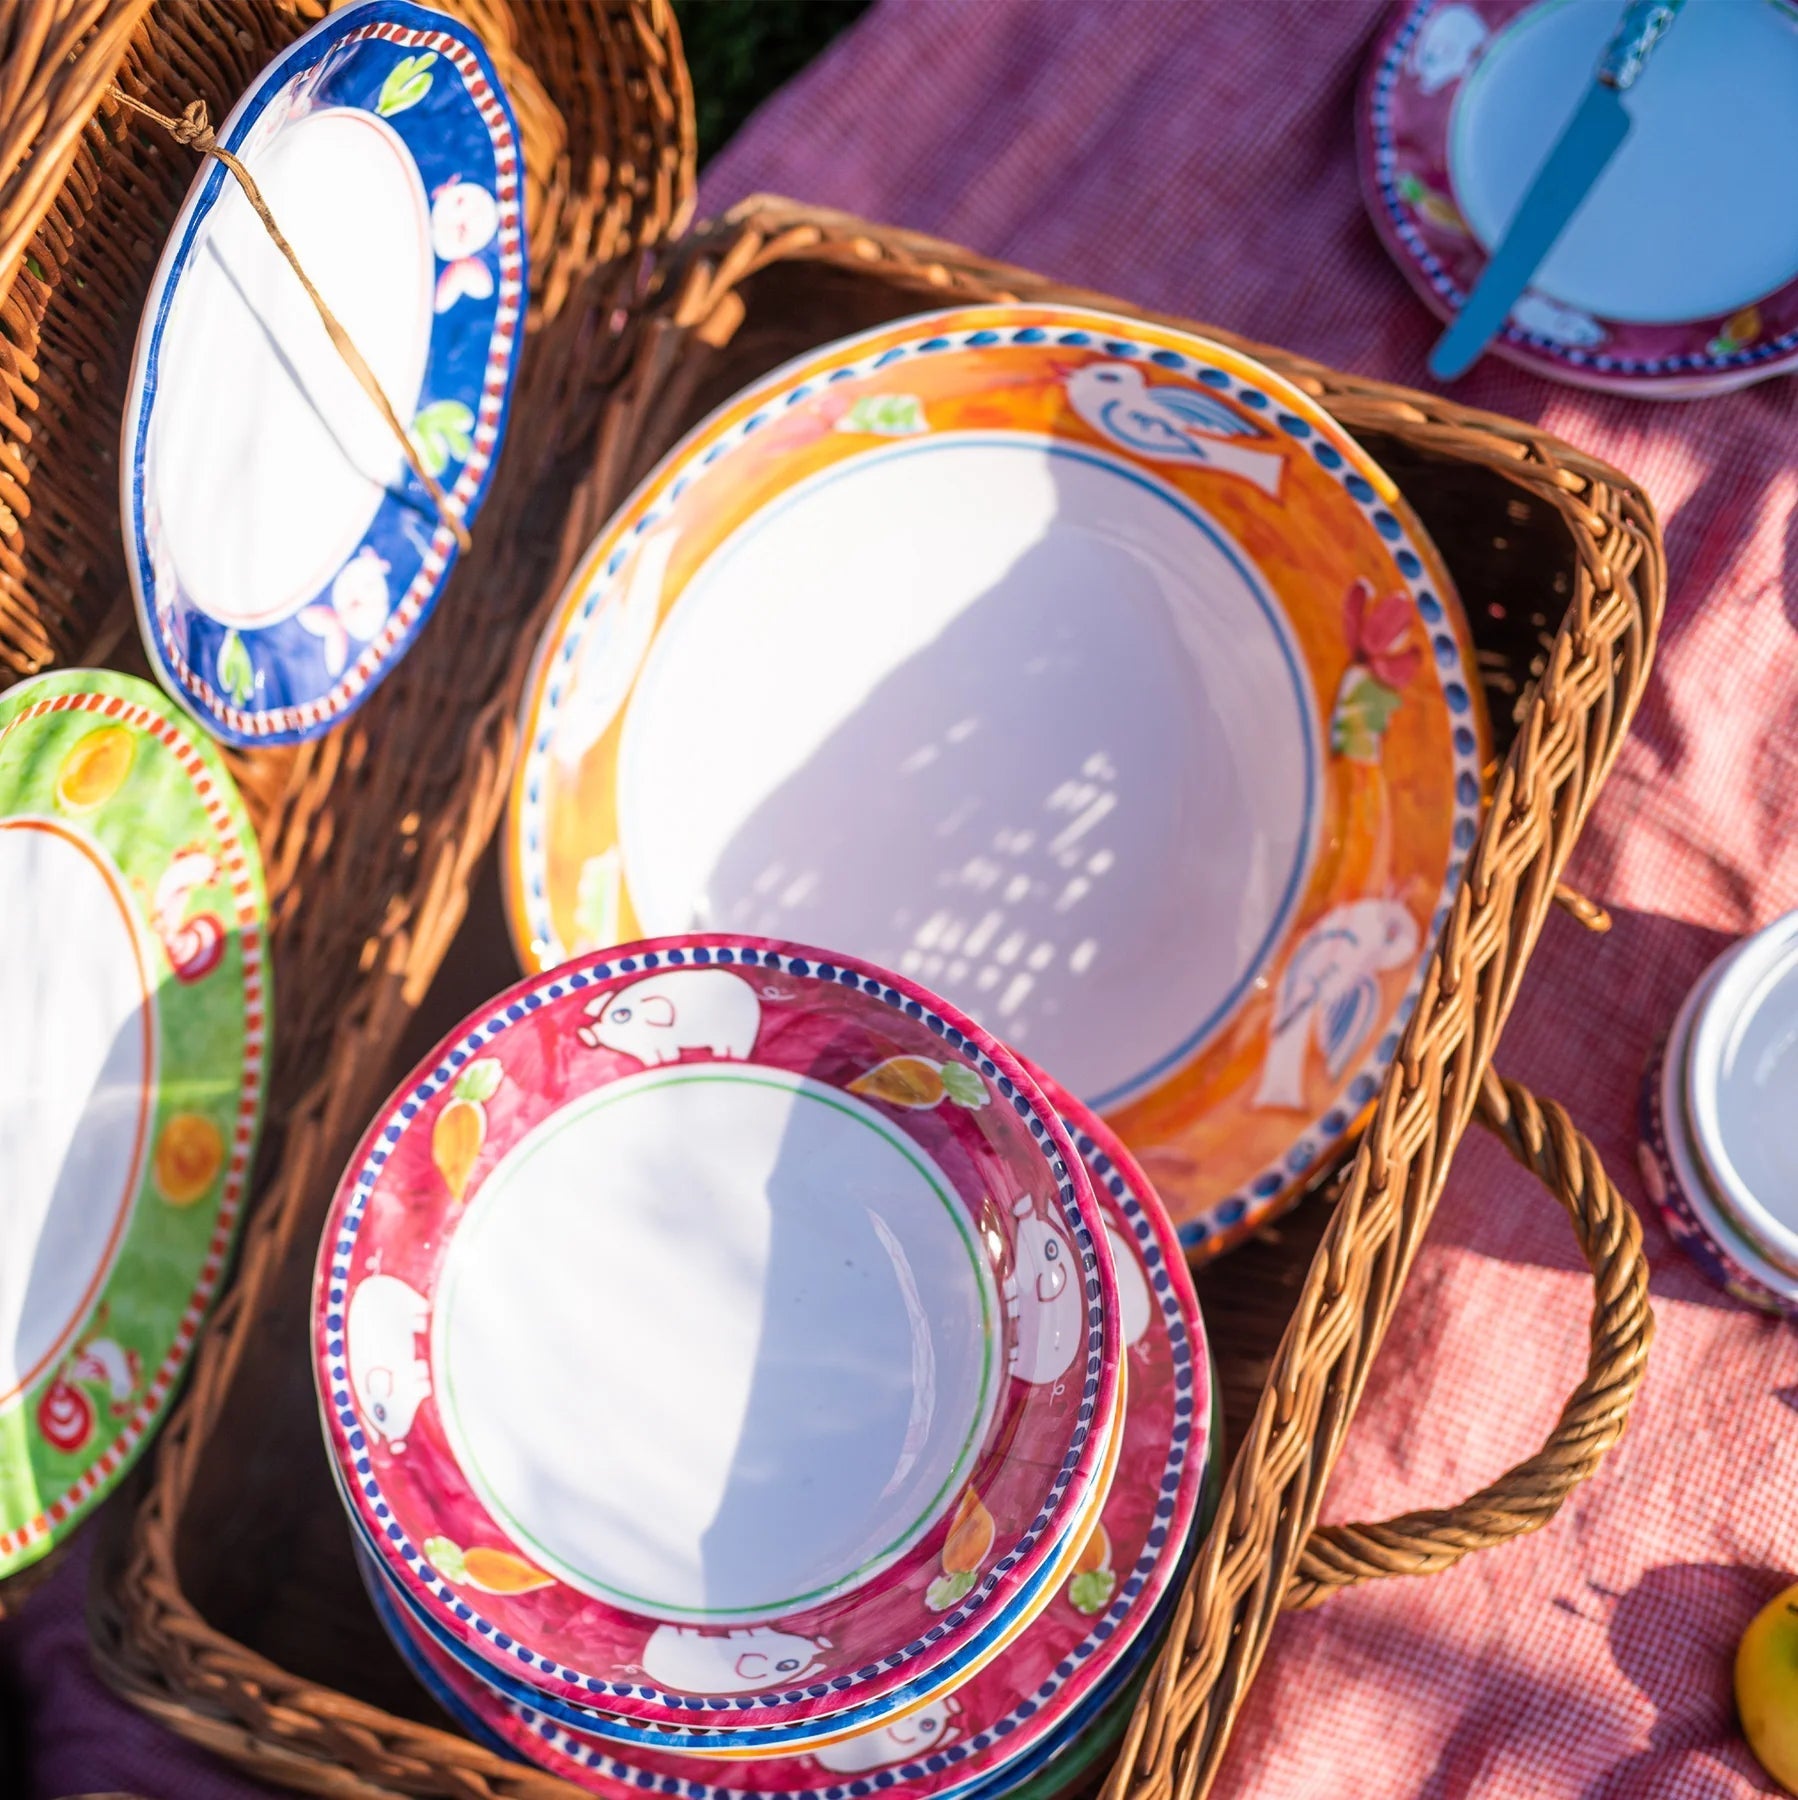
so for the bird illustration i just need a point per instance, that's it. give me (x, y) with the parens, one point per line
(1170, 424)
(615, 641)
(1330, 993)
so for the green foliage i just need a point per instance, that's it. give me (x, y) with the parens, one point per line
(963, 1086)
(1090, 1591)
(446, 1558)
(740, 51)
(407, 83)
(946, 1590)
(236, 673)
(441, 432)
(479, 1082)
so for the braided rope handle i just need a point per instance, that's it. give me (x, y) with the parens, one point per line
(193, 130)
(1541, 1137)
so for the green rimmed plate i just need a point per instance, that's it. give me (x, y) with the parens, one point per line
(134, 984)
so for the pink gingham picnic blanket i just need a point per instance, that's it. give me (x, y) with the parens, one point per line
(1199, 158)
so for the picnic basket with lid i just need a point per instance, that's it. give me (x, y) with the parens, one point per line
(227, 1604)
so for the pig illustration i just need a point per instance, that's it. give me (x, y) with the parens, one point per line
(1135, 1308)
(1045, 1293)
(1545, 318)
(1446, 47)
(916, 1735)
(390, 1378)
(655, 1019)
(757, 1659)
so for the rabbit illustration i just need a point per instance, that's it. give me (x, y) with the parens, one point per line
(1044, 1293)
(464, 221)
(914, 1735)
(1545, 318)
(655, 1019)
(737, 1662)
(612, 647)
(390, 1378)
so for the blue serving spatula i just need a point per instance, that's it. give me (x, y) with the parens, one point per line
(1592, 138)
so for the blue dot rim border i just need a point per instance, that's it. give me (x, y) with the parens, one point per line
(472, 363)
(1028, 1560)
(1449, 660)
(711, 1740)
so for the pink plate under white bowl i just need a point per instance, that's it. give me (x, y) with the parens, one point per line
(1030, 1693)
(711, 1327)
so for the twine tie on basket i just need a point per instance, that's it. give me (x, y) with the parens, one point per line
(194, 129)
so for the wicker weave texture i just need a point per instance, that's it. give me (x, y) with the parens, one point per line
(367, 849)
(1582, 583)
(88, 195)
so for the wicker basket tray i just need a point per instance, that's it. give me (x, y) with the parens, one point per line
(367, 855)
(225, 1600)
(228, 1605)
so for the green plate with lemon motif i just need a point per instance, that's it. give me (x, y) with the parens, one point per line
(134, 991)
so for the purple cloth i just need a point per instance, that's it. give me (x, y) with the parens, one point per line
(1199, 159)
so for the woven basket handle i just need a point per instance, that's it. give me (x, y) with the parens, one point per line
(1542, 1137)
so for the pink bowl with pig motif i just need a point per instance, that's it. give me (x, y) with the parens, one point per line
(715, 1329)
(1029, 1697)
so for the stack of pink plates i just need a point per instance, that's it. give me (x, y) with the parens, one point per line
(746, 1376)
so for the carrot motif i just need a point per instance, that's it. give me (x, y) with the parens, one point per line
(916, 1082)
(461, 1127)
(482, 1566)
(1092, 1582)
(968, 1545)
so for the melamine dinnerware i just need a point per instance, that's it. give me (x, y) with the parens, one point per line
(518, 1731)
(1076, 666)
(1677, 1176)
(1678, 275)
(737, 1742)
(135, 987)
(282, 552)
(833, 1241)
(1742, 1091)
(1027, 1702)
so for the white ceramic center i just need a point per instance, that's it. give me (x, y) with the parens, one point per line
(76, 1099)
(1006, 716)
(1697, 213)
(715, 1343)
(1745, 1077)
(267, 460)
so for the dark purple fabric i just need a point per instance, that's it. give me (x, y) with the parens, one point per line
(1199, 158)
(65, 1732)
